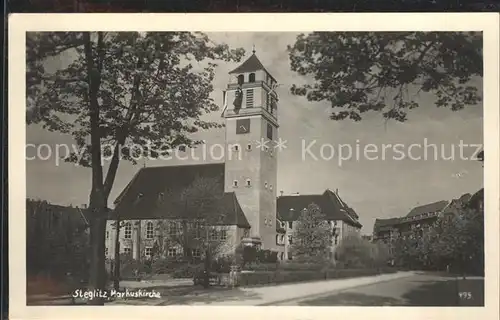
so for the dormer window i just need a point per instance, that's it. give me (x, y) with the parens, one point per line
(241, 79)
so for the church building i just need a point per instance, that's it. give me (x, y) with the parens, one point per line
(250, 211)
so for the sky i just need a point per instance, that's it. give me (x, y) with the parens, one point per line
(374, 186)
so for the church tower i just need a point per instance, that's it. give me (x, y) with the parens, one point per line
(250, 112)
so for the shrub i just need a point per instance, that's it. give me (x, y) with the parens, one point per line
(355, 252)
(187, 270)
(131, 268)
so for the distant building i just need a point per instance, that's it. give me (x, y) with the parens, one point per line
(422, 217)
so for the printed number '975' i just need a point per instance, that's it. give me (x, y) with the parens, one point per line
(465, 295)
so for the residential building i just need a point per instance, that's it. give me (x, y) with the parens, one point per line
(343, 220)
(422, 217)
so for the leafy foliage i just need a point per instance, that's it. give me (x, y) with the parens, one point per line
(201, 207)
(312, 237)
(356, 252)
(120, 88)
(385, 71)
(153, 90)
(454, 240)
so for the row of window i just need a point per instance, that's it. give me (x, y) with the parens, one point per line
(249, 184)
(251, 79)
(236, 148)
(148, 251)
(174, 228)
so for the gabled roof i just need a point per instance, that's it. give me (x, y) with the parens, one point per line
(251, 64)
(141, 197)
(381, 224)
(456, 204)
(290, 207)
(427, 208)
(43, 207)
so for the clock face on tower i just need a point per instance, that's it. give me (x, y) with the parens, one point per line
(242, 126)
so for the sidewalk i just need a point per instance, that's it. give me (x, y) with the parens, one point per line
(281, 293)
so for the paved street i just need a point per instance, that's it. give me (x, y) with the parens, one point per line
(418, 290)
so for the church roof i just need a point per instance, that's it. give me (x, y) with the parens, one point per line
(140, 198)
(251, 64)
(290, 207)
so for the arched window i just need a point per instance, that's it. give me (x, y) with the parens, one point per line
(241, 79)
(128, 231)
(251, 77)
(149, 230)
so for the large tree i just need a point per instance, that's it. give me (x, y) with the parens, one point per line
(121, 89)
(312, 238)
(357, 72)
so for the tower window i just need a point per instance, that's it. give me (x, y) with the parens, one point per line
(249, 147)
(269, 131)
(241, 79)
(265, 185)
(148, 252)
(236, 148)
(106, 251)
(248, 183)
(249, 98)
(251, 77)
(235, 183)
(271, 152)
(271, 187)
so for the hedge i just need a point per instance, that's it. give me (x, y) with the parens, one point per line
(279, 276)
(288, 266)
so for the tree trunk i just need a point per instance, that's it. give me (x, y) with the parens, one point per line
(97, 279)
(206, 280)
(98, 198)
(116, 273)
